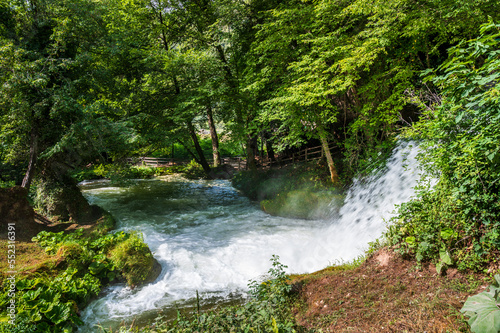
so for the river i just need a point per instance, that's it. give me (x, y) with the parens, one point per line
(211, 239)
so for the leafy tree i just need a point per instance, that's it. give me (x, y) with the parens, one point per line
(347, 66)
(39, 62)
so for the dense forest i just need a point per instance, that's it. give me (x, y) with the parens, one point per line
(86, 82)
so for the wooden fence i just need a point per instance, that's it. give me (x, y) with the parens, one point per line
(304, 155)
(239, 163)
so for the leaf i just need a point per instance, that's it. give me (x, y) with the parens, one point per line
(275, 326)
(446, 233)
(439, 267)
(410, 240)
(59, 313)
(445, 256)
(497, 279)
(483, 312)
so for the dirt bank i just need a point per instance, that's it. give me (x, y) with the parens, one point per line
(385, 294)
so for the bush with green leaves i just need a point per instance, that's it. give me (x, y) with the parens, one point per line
(116, 172)
(483, 309)
(192, 170)
(51, 300)
(457, 222)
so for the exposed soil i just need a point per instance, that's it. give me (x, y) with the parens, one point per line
(385, 294)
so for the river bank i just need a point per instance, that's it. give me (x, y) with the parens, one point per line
(385, 293)
(58, 267)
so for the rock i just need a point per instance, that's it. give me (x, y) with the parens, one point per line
(14, 205)
(15, 208)
(154, 273)
(64, 201)
(304, 204)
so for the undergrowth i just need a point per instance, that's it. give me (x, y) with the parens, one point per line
(457, 222)
(49, 301)
(117, 172)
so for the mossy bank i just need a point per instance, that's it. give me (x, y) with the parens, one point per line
(61, 266)
(298, 191)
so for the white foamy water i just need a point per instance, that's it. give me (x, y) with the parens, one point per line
(209, 238)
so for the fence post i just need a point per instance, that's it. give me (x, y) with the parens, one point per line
(306, 153)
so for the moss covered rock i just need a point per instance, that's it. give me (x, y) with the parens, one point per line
(134, 260)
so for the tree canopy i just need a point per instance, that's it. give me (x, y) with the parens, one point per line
(83, 79)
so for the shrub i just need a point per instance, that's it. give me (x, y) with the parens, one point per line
(85, 263)
(458, 221)
(193, 171)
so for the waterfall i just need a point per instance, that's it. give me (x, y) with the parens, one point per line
(208, 238)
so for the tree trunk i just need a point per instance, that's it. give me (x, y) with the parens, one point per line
(30, 172)
(251, 145)
(333, 171)
(214, 137)
(197, 147)
(270, 150)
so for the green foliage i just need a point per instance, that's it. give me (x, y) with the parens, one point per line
(192, 171)
(7, 184)
(457, 221)
(84, 264)
(116, 172)
(119, 173)
(47, 112)
(346, 68)
(483, 309)
(46, 196)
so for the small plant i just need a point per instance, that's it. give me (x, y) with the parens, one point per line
(483, 309)
(193, 171)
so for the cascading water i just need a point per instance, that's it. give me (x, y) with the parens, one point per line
(208, 238)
